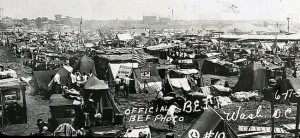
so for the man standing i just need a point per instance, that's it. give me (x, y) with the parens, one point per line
(126, 85)
(73, 79)
(170, 113)
(117, 82)
(56, 81)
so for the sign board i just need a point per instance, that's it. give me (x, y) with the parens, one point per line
(145, 74)
(123, 71)
(185, 61)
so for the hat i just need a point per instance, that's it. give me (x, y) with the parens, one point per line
(272, 81)
(45, 128)
(39, 120)
(175, 103)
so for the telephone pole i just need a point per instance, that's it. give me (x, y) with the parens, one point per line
(288, 19)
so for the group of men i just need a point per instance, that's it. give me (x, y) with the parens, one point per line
(122, 84)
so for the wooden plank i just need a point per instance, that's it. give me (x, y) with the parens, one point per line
(252, 128)
(252, 133)
(260, 129)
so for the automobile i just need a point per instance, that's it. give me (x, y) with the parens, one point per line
(64, 110)
(13, 101)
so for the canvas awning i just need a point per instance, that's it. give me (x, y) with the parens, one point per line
(240, 60)
(180, 83)
(186, 71)
(212, 54)
(161, 46)
(273, 66)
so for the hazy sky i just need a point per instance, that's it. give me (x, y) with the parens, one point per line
(183, 9)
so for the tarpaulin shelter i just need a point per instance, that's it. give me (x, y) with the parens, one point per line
(154, 80)
(253, 77)
(41, 79)
(86, 65)
(180, 73)
(210, 120)
(98, 90)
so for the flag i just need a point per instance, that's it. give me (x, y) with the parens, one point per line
(139, 57)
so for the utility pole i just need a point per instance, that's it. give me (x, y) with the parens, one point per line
(172, 14)
(298, 101)
(288, 19)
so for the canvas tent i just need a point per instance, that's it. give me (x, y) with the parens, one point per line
(98, 90)
(253, 77)
(87, 64)
(41, 79)
(63, 72)
(210, 120)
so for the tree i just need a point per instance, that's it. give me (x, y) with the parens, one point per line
(3, 26)
(44, 19)
(25, 21)
(38, 22)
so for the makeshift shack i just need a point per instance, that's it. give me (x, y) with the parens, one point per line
(98, 90)
(218, 67)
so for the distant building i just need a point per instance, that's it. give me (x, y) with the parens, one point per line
(58, 17)
(164, 20)
(149, 19)
(8, 21)
(75, 20)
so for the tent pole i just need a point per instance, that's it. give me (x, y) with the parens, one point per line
(23, 89)
(145, 86)
(297, 119)
(298, 103)
(272, 112)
